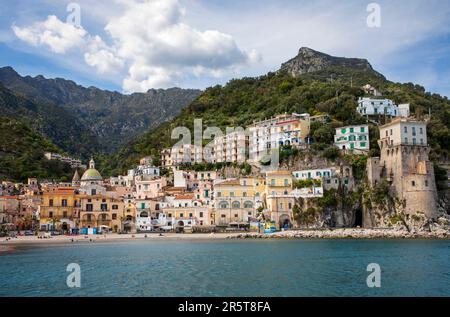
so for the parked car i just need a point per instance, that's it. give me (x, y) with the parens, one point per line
(29, 233)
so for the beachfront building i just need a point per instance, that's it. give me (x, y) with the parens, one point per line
(59, 210)
(282, 130)
(99, 213)
(368, 106)
(236, 201)
(279, 197)
(187, 212)
(352, 138)
(9, 209)
(232, 147)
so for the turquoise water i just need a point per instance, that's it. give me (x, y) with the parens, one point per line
(230, 268)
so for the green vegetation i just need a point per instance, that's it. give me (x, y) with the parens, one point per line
(242, 101)
(22, 154)
(307, 183)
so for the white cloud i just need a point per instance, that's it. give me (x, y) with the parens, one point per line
(102, 57)
(152, 37)
(57, 35)
(149, 38)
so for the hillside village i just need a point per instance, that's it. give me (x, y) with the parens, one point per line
(232, 183)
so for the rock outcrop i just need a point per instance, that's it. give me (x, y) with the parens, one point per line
(309, 61)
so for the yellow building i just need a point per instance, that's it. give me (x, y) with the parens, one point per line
(102, 212)
(59, 209)
(236, 201)
(279, 198)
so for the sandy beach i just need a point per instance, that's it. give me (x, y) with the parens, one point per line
(33, 240)
(349, 233)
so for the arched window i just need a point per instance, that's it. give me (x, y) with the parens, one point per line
(236, 205)
(223, 204)
(144, 214)
(248, 204)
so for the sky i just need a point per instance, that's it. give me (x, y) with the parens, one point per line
(135, 45)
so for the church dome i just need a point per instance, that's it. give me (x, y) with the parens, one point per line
(91, 174)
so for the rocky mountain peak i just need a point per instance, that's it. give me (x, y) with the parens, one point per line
(309, 61)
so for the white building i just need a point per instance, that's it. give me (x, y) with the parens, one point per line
(368, 106)
(232, 147)
(404, 132)
(182, 154)
(354, 138)
(286, 129)
(314, 173)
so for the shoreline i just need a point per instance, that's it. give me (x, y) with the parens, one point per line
(345, 233)
(348, 233)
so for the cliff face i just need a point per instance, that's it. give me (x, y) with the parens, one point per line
(309, 61)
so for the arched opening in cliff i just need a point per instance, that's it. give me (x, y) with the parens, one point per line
(358, 218)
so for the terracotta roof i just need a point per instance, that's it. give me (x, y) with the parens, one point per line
(229, 182)
(190, 196)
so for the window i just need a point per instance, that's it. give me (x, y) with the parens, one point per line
(190, 215)
(201, 214)
(286, 182)
(421, 130)
(413, 183)
(290, 205)
(248, 204)
(104, 207)
(363, 144)
(236, 205)
(181, 215)
(363, 129)
(222, 216)
(50, 202)
(50, 214)
(405, 129)
(64, 202)
(223, 205)
(414, 141)
(64, 214)
(219, 194)
(244, 194)
(352, 130)
(406, 140)
(272, 182)
(426, 183)
(114, 216)
(89, 207)
(391, 131)
(93, 192)
(115, 207)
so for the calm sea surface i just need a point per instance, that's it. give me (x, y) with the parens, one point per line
(230, 268)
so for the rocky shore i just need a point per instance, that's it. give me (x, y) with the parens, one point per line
(349, 233)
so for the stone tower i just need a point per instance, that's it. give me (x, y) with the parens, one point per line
(404, 163)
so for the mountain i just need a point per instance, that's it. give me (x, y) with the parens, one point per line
(53, 122)
(22, 153)
(241, 101)
(310, 61)
(113, 118)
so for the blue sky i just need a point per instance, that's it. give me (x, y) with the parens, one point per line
(134, 45)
